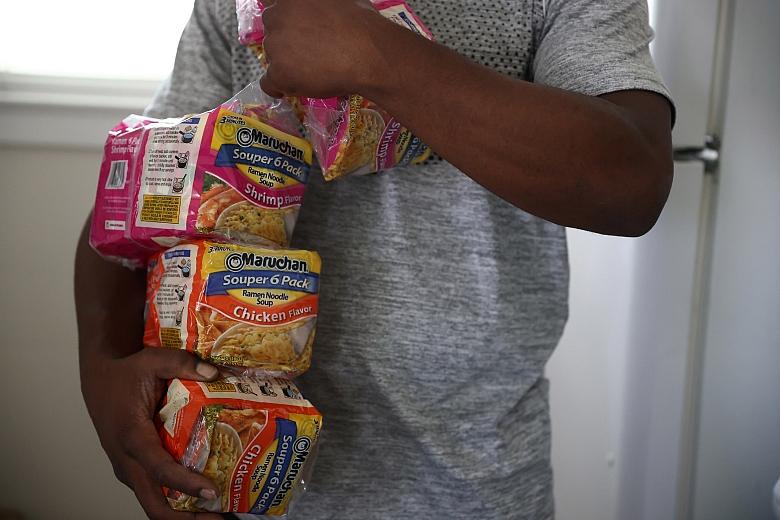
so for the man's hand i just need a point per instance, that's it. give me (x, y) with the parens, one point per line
(122, 396)
(123, 383)
(320, 48)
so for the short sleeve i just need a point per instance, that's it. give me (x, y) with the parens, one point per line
(201, 76)
(596, 46)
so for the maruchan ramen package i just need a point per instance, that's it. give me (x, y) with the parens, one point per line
(254, 437)
(350, 135)
(249, 308)
(237, 172)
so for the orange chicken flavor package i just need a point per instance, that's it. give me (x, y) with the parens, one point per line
(250, 308)
(254, 437)
(350, 135)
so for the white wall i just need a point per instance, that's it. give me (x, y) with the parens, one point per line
(617, 376)
(587, 377)
(52, 466)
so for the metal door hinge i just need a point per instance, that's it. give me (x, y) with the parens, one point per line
(709, 154)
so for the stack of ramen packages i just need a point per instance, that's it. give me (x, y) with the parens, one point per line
(209, 202)
(253, 312)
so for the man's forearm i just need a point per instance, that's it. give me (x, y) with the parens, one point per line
(109, 307)
(576, 160)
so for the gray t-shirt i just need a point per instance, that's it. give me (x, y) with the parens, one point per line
(440, 303)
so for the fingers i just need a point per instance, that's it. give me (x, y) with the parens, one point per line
(150, 497)
(155, 506)
(143, 445)
(268, 82)
(172, 363)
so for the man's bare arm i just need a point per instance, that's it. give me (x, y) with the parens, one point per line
(598, 163)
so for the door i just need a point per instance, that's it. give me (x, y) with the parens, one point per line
(702, 421)
(737, 448)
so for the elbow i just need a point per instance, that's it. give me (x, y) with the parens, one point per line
(638, 166)
(646, 196)
(639, 227)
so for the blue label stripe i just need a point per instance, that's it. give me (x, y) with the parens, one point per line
(177, 253)
(223, 281)
(284, 428)
(402, 15)
(262, 159)
(414, 150)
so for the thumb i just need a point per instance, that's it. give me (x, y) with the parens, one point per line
(269, 86)
(168, 363)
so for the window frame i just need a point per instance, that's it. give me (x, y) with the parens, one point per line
(66, 112)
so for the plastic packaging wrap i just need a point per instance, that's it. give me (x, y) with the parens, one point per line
(250, 23)
(250, 308)
(254, 437)
(237, 172)
(350, 135)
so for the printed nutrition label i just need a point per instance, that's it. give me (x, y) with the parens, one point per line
(169, 160)
(170, 337)
(161, 208)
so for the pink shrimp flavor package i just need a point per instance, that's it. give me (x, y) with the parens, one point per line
(350, 135)
(237, 172)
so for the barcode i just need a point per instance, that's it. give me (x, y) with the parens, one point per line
(116, 175)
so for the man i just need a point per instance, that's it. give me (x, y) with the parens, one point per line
(444, 289)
